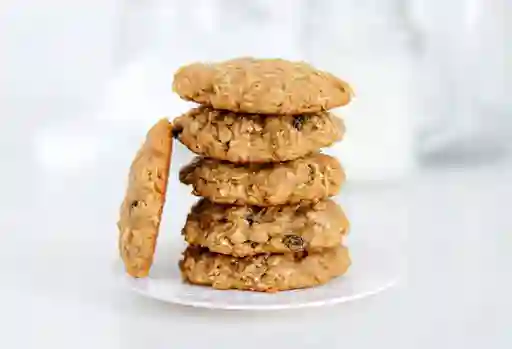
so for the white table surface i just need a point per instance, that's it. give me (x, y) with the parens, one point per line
(57, 288)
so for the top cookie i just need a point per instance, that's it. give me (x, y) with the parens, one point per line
(261, 86)
(141, 209)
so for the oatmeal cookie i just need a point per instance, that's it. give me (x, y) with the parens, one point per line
(249, 230)
(243, 138)
(266, 273)
(141, 209)
(311, 178)
(262, 86)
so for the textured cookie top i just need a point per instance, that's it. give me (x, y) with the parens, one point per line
(243, 138)
(263, 86)
(265, 273)
(310, 178)
(141, 209)
(250, 230)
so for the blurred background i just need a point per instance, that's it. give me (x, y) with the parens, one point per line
(430, 77)
(428, 153)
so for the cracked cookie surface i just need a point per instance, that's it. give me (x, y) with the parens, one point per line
(243, 138)
(141, 210)
(249, 230)
(306, 179)
(262, 86)
(265, 273)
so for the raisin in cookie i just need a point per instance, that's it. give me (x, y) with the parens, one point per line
(243, 138)
(311, 178)
(265, 273)
(249, 230)
(141, 209)
(262, 86)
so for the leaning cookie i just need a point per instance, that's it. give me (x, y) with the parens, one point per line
(243, 138)
(265, 273)
(262, 86)
(249, 230)
(141, 209)
(306, 179)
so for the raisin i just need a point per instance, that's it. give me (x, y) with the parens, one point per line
(250, 219)
(136, 204)
(300, 255)
(311, 174)
(294, 242)
(177, 130)
(254, 215)
(298, 122)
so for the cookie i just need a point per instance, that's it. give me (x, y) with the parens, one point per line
(311, 178)
(266, 273)
(243, 138)
(249, 230)
(261, 86)
(141, 209)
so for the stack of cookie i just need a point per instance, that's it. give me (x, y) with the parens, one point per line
(265, 221)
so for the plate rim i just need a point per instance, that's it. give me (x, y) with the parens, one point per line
(392, 282)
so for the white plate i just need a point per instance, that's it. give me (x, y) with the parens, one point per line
(373, 270)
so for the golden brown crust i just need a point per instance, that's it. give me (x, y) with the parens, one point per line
(141, 209)
(243, 138)
(306, 179)
(262, 86)
(266, 273)
(249, 230)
